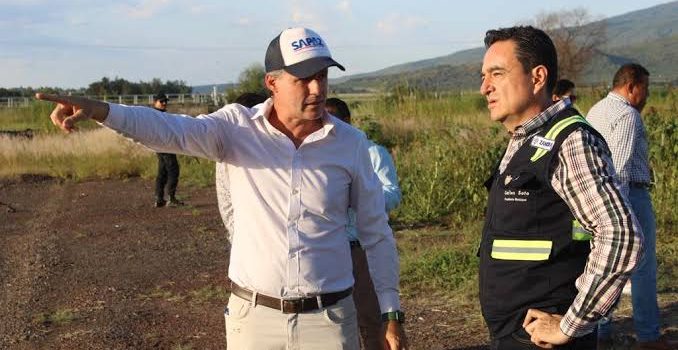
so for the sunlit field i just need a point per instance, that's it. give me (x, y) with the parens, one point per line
(444, 147)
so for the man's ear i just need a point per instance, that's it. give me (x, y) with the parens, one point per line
(539, 77)
(633, 88)
(628, 89)
(269, 82)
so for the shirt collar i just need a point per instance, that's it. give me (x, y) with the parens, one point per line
(615, 96)
(263, 109)
(542, 118)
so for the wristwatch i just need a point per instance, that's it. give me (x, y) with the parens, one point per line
(393, 316)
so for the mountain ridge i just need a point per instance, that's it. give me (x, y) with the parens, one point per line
(648, 36)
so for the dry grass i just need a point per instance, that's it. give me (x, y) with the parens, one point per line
(97, 152)
(94, 142)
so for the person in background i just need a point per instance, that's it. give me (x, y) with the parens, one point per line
(168, 166)
(249, 100)
(560, 239)
(294, 171)
(617, 117)
(564, 89)
(366, 303)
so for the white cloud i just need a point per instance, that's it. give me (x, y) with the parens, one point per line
(244, 21)
(344, 6)
(395, 22)
(300, 15)
(145, 8)
(306, 13)
(14, 71)
(21, 2)
(77, 21)
(197, 9)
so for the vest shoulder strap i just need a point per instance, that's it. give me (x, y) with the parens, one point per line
(545, 144)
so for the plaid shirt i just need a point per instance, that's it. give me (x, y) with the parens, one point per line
(623, 129)
(584, 178)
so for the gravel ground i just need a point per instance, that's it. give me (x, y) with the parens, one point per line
(93, 265)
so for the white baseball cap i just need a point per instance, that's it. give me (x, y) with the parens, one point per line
(300, 52)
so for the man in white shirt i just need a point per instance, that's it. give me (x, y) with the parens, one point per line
(617, 117)
(293, 172)
(249, 100)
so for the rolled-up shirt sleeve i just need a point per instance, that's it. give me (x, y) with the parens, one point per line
(374, 233)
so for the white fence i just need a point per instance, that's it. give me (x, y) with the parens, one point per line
(216, 99)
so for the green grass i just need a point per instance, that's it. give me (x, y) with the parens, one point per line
(440, 260)
(444, 147)
(209, 293)
(35, 116)
(57, 317)
(159, 293)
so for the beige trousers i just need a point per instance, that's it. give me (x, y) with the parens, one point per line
(262, 328)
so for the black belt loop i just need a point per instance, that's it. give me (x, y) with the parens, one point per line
(643, 185)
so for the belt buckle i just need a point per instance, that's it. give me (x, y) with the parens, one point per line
(291, 306)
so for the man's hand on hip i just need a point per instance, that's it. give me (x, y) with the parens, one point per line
(544, 328)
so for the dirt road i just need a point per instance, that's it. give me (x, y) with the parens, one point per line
(94, 266)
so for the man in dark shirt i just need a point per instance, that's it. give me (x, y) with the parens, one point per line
(560, 240)
(168, 166)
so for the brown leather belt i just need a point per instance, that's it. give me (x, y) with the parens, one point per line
(291, 306)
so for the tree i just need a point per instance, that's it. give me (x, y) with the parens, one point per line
(576, 37)
(249, 80)
(120, 86)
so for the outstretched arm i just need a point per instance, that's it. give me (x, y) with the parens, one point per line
(207, 136)
(72, 109)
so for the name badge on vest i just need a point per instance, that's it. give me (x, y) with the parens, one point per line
(543, 143)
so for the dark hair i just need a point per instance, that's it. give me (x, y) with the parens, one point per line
(160, 97)
(250, 99)
(342, 112)
(533, 48)
(563, 86)
(629, 73)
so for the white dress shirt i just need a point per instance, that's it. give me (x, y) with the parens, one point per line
(289, 204)
(224, 198)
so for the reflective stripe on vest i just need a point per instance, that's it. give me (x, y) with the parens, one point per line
(579, 233)
(507, 249)
(555, 130)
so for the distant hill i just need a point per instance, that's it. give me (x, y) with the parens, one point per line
(659, 56)
(657, 22)
(207, 89)
(455, 59)
(648, 36)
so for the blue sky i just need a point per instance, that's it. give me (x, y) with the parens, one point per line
(71, 43)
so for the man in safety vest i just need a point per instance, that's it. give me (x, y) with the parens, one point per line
(559, 239)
